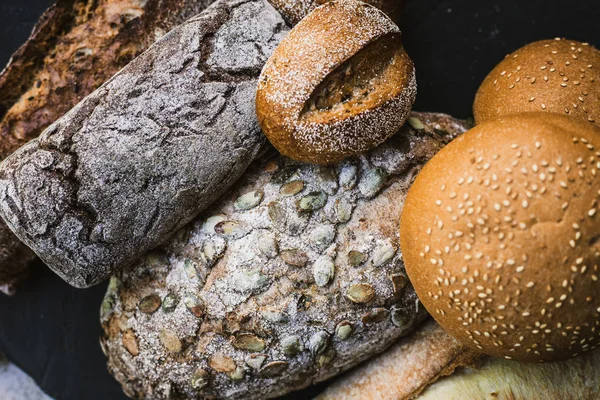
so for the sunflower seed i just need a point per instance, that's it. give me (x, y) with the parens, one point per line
(383, 254)
(232, 229)
(149, 304)
(360, 293)
(294, 257)
(313, 201)
(318, 343)
(249, 342)
(355, 258)
(170, 340)
(372, 182)
(248, 201)
(344, 329)
(221, 363)
(273, 369)
(292, 188)
(199, 379)
(169, 303)
(323, 271)
(291, 345)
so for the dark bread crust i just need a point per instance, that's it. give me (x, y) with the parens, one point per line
(76, 46)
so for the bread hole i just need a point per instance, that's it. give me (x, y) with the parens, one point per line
(364, 81)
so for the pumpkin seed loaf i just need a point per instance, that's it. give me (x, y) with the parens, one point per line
(76, 46)
(291, 278)
(147, 151)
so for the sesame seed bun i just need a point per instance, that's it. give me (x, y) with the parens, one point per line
(500, 234)
(560, 76)
(333, 90)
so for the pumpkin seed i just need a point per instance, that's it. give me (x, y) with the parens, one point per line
(348, 174)
(343, 210)
(416, 123)
(221, 363)
(267, 244)
(238, 374)
(248, 281)
(313, 201)
(199, 379)
(113, 284)
(256, 360)
(383, 254)
(248, 200)
(327, 179)
(232, 229)
(149, 304)
(322, 236)
(294, 257)
(399, 317)
(355, 258)
(344, 329)
(191, 268)
(130, 343)
(156, 260)
(170, 302)
(372, 182)
(275, 317)
(273, 369)
(399, 281)
(249, 342)
(107, 307)
(292, 188)
(170, 340)
(323, 271)
(291, 345)
(317, 344)
(297, 222)
(360, 293)
(278, 216)
(194, 305)
(283, 175)
(211, 222)
(374, 316)
(214, 249)
(326, 358)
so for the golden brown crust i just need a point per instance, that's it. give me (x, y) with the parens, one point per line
(500, 237)
(294, 10)
(558, 76)
(334, 90)
(404, 370)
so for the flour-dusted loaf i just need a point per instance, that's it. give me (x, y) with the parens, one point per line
(142, 155)
(294, 10)
(292, 277)
(76, 46)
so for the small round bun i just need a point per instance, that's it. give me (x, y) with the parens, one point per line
(560, 76)
(500, 235)
(335, 89)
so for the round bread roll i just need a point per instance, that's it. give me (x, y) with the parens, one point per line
(294, 10)
(559, 76)
(500, 234)
(332, 90)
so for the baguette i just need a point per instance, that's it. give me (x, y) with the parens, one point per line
(292, 277)
(143, 154)
(76, 46)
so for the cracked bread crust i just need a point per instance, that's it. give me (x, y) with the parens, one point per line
(76, 46)
(292, 277)
(142, 155)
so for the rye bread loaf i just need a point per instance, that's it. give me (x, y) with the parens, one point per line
(76, 46)
(292, 277)
(140, 157)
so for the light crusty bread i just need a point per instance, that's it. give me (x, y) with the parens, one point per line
(142, 155)
(500, 237)
(404, 370)
(294, 10)
(332, 90)
(559, 76)
(75, 47)
(289, 279)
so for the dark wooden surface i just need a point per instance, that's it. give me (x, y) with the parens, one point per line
(51, 330)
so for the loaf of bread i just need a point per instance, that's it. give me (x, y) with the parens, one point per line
(294, 10)
(142, 155)
(292, 277)
(75, 47)
(333, 90)
(403, 371)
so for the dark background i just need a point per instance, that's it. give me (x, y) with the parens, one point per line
(51, 330)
